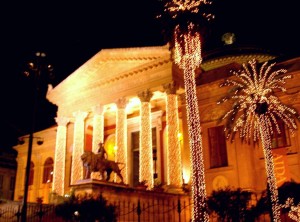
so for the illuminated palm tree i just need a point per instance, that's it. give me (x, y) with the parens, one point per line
(255, 113)
(184, 23)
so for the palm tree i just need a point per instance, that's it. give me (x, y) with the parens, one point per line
(183, 21)
(255, 113)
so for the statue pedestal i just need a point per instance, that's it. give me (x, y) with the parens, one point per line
(116, 191)
(94, 187)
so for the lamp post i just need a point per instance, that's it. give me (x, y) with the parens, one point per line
(35, 70)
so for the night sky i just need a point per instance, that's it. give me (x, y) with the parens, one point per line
(72, 32)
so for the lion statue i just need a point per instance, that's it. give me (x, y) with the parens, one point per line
(94, 163)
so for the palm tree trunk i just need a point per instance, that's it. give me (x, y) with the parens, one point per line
(196, 151)
(269, 165)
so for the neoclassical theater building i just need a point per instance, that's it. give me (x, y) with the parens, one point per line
(132, 100)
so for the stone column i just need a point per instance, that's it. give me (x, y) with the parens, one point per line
(98, 127)
(121, 138)
(174, 166)
(58, 184)
(145, 151)
(185, 147)
(78, 146)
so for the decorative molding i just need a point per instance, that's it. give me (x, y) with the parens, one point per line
(98, 109)
(122, 103)
(170, 88)
(62, 121)
(145, 96)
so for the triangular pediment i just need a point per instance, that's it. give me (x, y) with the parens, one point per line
(111, 74)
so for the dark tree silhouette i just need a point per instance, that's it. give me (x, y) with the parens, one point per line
(86, 209)
(231, 204)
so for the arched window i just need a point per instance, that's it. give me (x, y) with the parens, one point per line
(48, 170)
(31, 174)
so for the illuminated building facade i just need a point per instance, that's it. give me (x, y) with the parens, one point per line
(132, 99)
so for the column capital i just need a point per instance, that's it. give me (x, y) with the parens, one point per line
(80, 115)
(98, 109)
(170, 88)
(122, 103)
(62, 121)
(145, 96)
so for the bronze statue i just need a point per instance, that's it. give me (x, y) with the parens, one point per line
(98, 163)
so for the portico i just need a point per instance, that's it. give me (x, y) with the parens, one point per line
(119, 92)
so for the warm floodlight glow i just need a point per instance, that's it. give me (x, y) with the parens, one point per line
(186, 175)
(132, 103)
(255, 113)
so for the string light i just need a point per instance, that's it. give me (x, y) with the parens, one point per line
(60, 155)
(78, 146)
(174, 152)
(121, 136)
(187, 54)
(256, 111)
(146, 153)
(185, 19)
(294, 212)
(98, 127)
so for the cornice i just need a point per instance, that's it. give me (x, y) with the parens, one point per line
(225, 60)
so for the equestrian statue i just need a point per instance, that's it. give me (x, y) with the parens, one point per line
(98, 162)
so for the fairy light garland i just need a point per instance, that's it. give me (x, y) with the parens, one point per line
(294, 212)
(255, 113)
(98, 127)
(269, 165)
(188, 56)
(174, 152)
(78, 146)
(121, 137)
(146, 153)
(185, 19)
(60, 156)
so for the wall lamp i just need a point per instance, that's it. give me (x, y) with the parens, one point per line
(39, 140)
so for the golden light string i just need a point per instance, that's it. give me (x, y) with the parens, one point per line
(195, 140)
(294, 212)
(59, 163)
(254, 98)
(98, 129)
(78, 146)
(198, 180)
(176, 7)
(188, 57)
(187, 48)
(269, 165)
(179, 5)
(121, 136)
(174, 152)
(146, 154)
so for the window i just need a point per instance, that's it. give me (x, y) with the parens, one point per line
(1, 181)
(31, 174)
(48, 170)
(217, 147)
(12, 183)
(281, 139)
